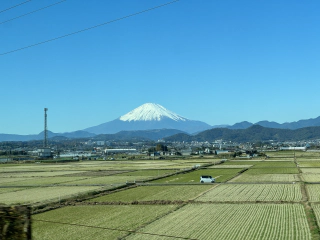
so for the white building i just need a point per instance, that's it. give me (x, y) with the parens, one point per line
(44, 152)
(100, 143)
(294, 148)
(108, 151)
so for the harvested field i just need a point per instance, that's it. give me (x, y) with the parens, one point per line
(275, 164)
(266, 178)
(232, 221)
(154, 172)
(313, 192)
(263, 163)
(43, 195)
(114, 179)
(273, 170)
(38, 181)
(95, 173)
(150, 193)
(114, 217)
(26, 174)
(231, 166)
(311, 170)
(253, 193)
(310, 177)
(6, 190)
(316, 209)
(241, 162)
(4, 181)
(221, 175)
(309, 164)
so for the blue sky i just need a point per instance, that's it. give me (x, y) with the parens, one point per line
(217, 61)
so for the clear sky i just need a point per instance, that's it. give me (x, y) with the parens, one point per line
(217, 61)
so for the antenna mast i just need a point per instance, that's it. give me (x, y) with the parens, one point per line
(45, 140)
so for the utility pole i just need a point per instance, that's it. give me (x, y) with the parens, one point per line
(45, 140)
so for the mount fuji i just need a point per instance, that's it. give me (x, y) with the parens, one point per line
(149, 116)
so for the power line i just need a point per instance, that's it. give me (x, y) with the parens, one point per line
(37, 10)
(89, 28)
(113, 229)
(15, 6)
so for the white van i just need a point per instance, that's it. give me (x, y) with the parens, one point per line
(206, 179)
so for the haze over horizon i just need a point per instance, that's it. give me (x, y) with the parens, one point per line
(220, 62)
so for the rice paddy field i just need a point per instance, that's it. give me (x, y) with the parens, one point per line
(221, 175)
(311, 177)
(266, 178)
(253, 193)
(274, 198)
(232, 221)
(152, 193)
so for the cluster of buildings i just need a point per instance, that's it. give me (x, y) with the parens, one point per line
(89, 149)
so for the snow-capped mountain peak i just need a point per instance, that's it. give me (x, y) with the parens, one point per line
(151, 112)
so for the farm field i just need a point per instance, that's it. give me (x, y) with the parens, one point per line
(43, 195)
(221, 175)
(37, 181)
(263, 163)
(109, 180)
(309, 164)
(316, 209)
(311, 177)
(103, 220)
(231, 166)
(313, 192)
(6, 190)
(38, 174)
(93, 166)
(232, 221)
(252, 198)
(275, 164)
(151, 193)
(311, 170)
(267, 178)
(273, 170)
(4, 181)
(253, 193)
(154, 172)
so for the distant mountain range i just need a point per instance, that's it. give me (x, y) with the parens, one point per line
(140, 135)
(251, 134)
(153, 121)
(40, 136)
(312, 122)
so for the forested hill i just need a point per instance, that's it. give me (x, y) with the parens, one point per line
(251, 134)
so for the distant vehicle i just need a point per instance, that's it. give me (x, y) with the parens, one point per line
(206, 179)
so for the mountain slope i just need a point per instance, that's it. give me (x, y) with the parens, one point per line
(154, 135)
(146, 117)
(241, 125)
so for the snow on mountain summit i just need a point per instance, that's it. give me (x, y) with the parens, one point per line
(151, 112)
